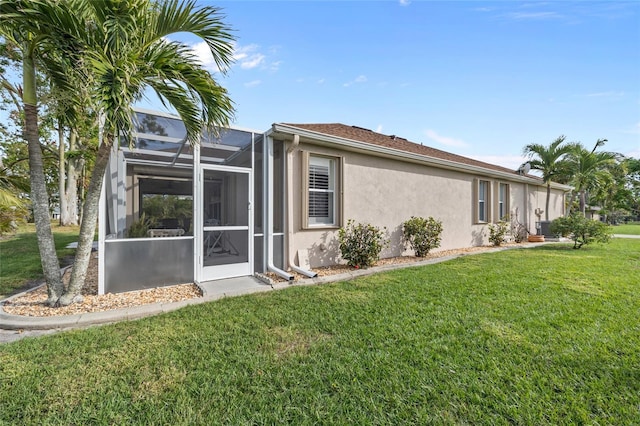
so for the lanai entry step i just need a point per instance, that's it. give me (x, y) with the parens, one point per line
(233, 286)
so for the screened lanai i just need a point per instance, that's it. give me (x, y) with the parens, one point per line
(174, 213)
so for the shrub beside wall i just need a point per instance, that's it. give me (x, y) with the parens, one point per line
(581, 230)
(497, 232)
(361, 244)
(422, 234)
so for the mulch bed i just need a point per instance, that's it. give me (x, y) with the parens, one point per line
(32, 303)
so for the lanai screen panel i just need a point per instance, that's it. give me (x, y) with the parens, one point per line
(149, 196)
(158, 138)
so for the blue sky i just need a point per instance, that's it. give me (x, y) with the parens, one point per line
(480, 79)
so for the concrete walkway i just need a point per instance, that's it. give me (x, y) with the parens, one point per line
(14, 327)
(625, 236)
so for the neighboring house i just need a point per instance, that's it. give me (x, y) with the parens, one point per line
(243, 202)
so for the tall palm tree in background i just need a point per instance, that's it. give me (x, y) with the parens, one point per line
(122, 48)
(589, 169)
(550, 161)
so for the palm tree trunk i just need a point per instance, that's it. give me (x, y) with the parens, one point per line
(71, 192)
(88, 225)
(546, 207)
(61, 176)
(583, 204)
(39, 196)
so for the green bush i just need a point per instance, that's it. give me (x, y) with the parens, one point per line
(497, 232)
(11, 216)
(139, 228)
(581, 230)
(422, 234)
(361, 244)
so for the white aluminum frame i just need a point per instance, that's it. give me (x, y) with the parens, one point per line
(207, 273)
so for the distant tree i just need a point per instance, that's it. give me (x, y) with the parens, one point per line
(549, 161)
(612, 193)
(632, 166)
(13, 206)
(589, 169)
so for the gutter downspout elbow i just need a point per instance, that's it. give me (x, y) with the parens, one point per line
(294, 144)
(299, 270)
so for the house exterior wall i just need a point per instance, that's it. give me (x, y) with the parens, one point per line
(386, 192)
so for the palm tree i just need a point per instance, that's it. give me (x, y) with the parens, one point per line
(589, 169)
(549, 160)
(122, 48)
(32, 38)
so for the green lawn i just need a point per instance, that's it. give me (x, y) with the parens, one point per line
(628, 229)
(20, 259)
(541, 336)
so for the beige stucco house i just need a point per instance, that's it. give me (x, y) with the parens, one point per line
(384, 180)
(243, 202)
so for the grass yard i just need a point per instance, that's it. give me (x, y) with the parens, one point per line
(20, 259)
(627, 229)
(541, 336)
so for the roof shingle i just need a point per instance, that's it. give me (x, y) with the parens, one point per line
(395, 142)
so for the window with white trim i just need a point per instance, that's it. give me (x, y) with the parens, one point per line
(483, 201)
(503, 200)
(321, 208)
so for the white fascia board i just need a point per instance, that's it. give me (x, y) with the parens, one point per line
(353, 145)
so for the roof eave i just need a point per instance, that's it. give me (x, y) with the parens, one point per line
(279, 129)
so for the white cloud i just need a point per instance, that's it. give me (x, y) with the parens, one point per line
(251, 57)
(445, 140)
(203, 53)
(634, 153)
(534, 15)
(248, 57)
(404, 2)
(379, 128)
(609, 94)
(275, 66)
(252, 83)
(357, 80)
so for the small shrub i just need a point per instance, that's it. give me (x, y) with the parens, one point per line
(422, 234)
(361, 244)
(497, 232)
(518, 230)
(581, 230)
(139, 228)
(11, 216)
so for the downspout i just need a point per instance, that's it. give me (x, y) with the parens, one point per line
(268, 231)
(526, 206)
(290, 251)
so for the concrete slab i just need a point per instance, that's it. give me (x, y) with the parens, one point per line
(239, 285)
